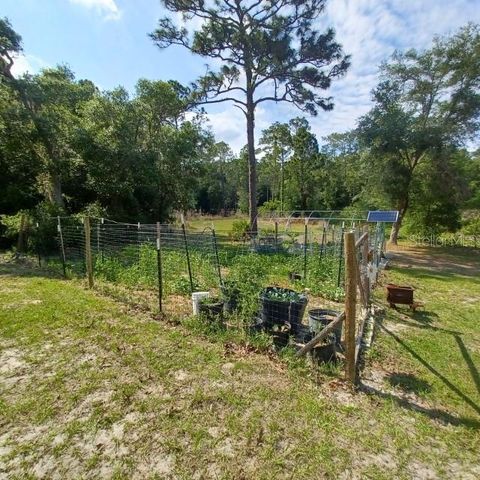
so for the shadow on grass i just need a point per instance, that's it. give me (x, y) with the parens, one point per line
(439, 375)
(468, 360)
(424, 317)
(409, 383)
(26, 267)
(423, 272)
(427, 327)
(433, 413)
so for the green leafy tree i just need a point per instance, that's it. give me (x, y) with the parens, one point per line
(426, 102)
(303, 166)
(142, 158)
(18, 165)
(342, 179)
(270, 51)
(10, 46)
(217, 190)
(276, 144)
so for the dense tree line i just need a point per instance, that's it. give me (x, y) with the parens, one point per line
(66, 146)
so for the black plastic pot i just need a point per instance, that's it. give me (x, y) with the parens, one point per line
(280, 339)
(324, 353)
(319, 318)
(212, 311)
(303, 334)
(278, 312)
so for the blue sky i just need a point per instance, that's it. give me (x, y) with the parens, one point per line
(106, 41)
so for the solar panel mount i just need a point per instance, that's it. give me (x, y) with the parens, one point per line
(383, 216)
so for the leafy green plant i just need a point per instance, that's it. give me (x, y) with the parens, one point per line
(270, 206)
(240, 229)
(283, 295)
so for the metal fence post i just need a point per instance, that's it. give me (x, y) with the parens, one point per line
(305, 251)
(322, 246)
(340, 260)
(276, 236)
(217, 260)
(37, 244)
(187, 254)
(62, 246)
(88, 251)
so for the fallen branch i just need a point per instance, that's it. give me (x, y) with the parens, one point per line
(320, 336)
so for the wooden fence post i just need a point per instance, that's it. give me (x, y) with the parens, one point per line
(365, 249)
(159, 267)
(350, 305)
(88, 251)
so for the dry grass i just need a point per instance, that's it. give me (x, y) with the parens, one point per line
(91, 388)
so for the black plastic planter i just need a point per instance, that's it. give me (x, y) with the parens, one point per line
(319, 318)
(278, 312)
(324, 353)
(212, 311)
(304, 334)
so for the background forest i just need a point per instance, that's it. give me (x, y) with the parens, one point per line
(68, 147)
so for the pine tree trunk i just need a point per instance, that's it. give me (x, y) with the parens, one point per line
(252, 166)
(54, 193)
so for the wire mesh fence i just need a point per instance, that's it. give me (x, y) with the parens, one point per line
(286, 280)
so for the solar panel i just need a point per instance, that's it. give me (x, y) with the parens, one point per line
(385, 216)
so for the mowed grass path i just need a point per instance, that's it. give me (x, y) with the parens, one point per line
(435, 352)
(92, 389)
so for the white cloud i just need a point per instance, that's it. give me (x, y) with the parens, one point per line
(369, 30)
(108, 9)
(27, 63)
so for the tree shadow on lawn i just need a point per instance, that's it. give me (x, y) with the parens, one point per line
(409, 383)
(422, 317)
(435, 413)
(426, 273)
(446, 261)
(26, 267)
(469, 361)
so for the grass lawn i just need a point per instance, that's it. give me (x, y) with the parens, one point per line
(435, 352)
(223, 225)
(91, 388)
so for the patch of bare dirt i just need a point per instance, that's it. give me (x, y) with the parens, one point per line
(437, 260)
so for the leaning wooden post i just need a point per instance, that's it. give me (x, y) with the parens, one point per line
(350, 305)
(88, 251)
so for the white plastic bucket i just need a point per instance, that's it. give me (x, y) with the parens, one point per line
(196, 297)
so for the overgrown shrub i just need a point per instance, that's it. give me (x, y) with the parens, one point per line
(240, 229)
